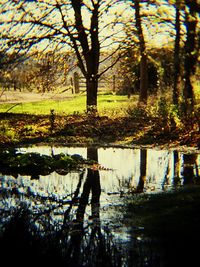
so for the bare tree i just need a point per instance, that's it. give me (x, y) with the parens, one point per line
(143, 54)
(57, 23)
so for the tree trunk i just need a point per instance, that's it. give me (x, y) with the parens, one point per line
(92, 154)
(177, 56)
(190, 56)
(91, 87)
(143, 79)
(89, 58)
(143, 61)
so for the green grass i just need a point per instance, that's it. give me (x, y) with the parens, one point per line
(106, 104)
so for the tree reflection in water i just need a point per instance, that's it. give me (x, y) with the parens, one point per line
(190, 160)
(68, 231)
(76, 242)
(143, 170)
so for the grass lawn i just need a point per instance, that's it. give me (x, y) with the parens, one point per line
(111, 104)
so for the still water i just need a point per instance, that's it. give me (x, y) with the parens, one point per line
(96, 196)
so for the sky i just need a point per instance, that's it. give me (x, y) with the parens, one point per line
(156, 33)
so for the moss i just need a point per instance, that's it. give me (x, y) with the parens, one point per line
(12, 161)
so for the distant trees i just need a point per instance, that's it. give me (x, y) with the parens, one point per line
(10, 73)
(39, 72)
(160, 71)
(52, 69)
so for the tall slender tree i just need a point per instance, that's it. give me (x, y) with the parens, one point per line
(143, 54)
(190, 52)
(177, 54)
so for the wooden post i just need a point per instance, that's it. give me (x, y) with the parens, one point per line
(72, 85)
(76, 83)
(114, 82)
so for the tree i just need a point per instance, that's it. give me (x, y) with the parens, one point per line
(190, 51)
(71, 24)
(154, 16)
(143, 55)
(11, 70)
(40, 72)
(51, 70)
(177, 54)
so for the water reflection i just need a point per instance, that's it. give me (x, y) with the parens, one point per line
(85, 207)
(91, 185)
(125, 170)
(190, 168)
(67, 224)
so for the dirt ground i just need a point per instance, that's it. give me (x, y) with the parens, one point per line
(21, 97)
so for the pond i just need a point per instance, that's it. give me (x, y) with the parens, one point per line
(83, 217)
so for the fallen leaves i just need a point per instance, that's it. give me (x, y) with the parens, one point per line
(92, 129)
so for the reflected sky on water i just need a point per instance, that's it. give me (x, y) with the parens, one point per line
(122, 169)
(124, 172)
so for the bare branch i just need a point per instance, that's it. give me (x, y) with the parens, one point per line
(110, 55)
(110, 66)
(73, 40)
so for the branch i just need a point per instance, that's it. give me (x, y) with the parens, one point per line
(73, 40)
(109, 67)
(82, 36)
(106, 58)
(94, 32)
(13, 107)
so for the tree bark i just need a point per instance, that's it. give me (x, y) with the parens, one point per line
(143, 79)
(92, 88)
(177, 56)
(91, 52)
(143, 54)
(190, 55)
